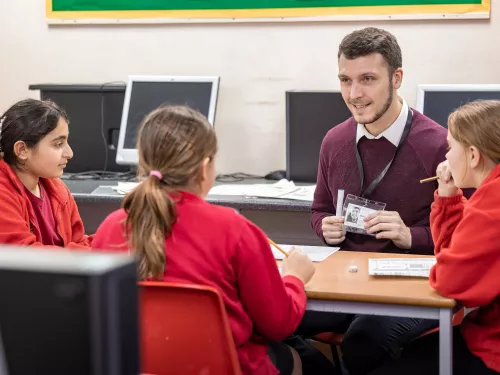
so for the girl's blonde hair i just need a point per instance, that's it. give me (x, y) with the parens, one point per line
(478, 124)
(174, 141)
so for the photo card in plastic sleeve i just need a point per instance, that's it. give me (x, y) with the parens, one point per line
(355, 209)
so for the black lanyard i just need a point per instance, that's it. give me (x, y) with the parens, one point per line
(377, 180)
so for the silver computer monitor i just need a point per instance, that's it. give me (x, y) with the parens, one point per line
(439, 100)
(146, 93)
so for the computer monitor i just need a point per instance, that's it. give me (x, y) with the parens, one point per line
(438, 101)
(94, 112)
(146, 93)
(3, 361)
(309, 116)
(68, 312)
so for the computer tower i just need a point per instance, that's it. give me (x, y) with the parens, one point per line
(68, 312)
(94, 113)
(309, 116)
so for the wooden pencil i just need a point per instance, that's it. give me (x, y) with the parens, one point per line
(429, 179)
(277, 247)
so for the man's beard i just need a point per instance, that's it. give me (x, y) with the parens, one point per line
(386, 106)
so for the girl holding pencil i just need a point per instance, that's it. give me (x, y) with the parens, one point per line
(466, 234)
(179, 237)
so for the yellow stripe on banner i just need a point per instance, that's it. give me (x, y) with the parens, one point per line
(271, 13)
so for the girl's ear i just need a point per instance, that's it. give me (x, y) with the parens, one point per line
(204, 169)
(21, 150)
(474, 157)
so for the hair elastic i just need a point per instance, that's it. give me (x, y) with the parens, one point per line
(157, 174)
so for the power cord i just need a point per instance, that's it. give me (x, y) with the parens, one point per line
(102, 175)
(103, 135)
(236, 177)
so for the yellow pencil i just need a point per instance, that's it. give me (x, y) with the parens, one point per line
(277, 247)
(429, 179)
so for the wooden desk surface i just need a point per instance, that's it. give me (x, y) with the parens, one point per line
(333, 281)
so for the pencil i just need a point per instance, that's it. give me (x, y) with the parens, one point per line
(277, 247)
(429, 179)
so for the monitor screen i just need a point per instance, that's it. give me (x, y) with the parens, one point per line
(146, 93)
(309, 116)
(438, 101)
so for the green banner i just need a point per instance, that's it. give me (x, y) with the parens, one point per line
(160, 5)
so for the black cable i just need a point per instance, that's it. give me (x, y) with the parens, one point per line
(103, 135)
(104, 174)
(236, 177)
(101, 175)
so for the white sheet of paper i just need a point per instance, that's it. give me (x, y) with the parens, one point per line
(316, 253)
(302, 193)
(282, 189)
(417, 267)
(229, 189)
(125, 187)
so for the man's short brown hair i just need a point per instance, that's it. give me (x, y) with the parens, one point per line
(372, 40)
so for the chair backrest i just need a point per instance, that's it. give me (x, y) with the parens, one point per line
(185, 330)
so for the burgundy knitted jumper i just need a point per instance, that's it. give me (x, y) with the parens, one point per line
(419, 155)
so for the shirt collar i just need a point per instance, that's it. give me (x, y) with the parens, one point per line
(393, 133)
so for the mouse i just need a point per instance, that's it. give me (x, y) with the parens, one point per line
(275, 175)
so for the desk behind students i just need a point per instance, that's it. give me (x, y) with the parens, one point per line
(284, 220)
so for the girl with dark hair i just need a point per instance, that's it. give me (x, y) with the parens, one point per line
(36, 208)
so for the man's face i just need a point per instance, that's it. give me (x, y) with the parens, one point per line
(366, 86)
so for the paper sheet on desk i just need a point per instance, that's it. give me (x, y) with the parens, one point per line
(417, 267)
(282, 189)
(124, 187)
(316, 253)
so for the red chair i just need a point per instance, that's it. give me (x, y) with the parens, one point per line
(335, 339)
(185, 330)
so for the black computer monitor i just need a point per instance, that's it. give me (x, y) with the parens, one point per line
(438, 101)
(309, 116)
(146, 93)
(68, 312)
(94, 113)
(3, 360)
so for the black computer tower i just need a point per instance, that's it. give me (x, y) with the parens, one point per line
(68, 312)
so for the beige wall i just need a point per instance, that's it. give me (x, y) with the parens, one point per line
(257, 64)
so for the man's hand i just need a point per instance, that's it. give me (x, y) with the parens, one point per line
(389, 226)
(333, 230)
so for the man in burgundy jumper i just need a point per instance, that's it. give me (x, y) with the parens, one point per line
(370, 74)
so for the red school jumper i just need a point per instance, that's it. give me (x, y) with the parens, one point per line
(21, 225)
(466, 234)
(213, 245)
